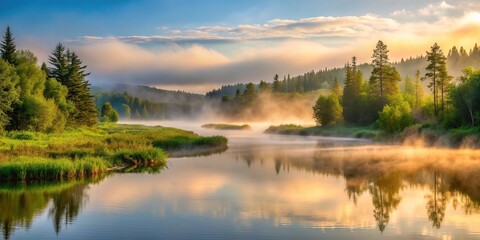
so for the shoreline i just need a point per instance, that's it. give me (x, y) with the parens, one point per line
(81, 152)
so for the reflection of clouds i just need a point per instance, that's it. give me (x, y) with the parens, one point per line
(313, 188)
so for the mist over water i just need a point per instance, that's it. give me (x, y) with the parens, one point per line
(276, 187)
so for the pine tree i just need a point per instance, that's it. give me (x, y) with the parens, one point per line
(380, 63)
(436, 72)
(276, 84)
(336, 89)
(69, 70)
(418, 89)
(8, 47)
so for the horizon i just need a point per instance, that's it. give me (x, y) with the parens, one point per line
(199, 46)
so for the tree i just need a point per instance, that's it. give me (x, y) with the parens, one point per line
(436, 72)
(465, 98)
(336, 89)
(276, 84)
(126, 111)
(418, 90)
(263, 87)
(249, 92)
(9, 92)
(69, 70)
(108, 114)
(8, 47)
(327, 110)
(409, 86)
(380, 64)
(395, 116)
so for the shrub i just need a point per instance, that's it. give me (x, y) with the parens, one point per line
(395, 116)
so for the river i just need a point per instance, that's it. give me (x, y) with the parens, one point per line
(263, 187)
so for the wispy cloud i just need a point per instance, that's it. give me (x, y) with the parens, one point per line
(436, 9)
(251, 52)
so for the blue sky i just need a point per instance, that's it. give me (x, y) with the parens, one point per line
(197, 45)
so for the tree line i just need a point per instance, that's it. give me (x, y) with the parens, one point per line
(378, 100)
(44, 99)
(457, 60)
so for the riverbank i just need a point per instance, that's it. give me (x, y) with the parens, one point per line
(92, 151)
(368, 132)
(417, 135)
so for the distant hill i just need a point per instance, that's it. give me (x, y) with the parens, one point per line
(148, 102)
(457, 60)
(157, 95)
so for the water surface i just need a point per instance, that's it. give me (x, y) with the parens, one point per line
(263, 187)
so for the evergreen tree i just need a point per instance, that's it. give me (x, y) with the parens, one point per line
(380, 63)
(336, 89)
(108, 114)
(436, 72)
(69, 70)
(126, 111)
(409, 86)
(351, 92)
(8, 48)
(418, 90)
(263, 87)
(276, 84)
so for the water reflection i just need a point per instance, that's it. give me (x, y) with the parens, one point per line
(20, 203)
(334, 189)
(451, 176)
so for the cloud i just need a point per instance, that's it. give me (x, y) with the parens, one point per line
(117, 61)
(209, 56)
(401, 13)
(435, 9)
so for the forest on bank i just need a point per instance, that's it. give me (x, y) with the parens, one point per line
(436, 89)
(43, 99)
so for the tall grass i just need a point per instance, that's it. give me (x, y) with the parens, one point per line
(89, 151)
(28, 168)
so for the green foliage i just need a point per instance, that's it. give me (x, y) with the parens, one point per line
(227, 126)
(69, 70)
(436, 72)
(327, 110)
(352, 92)
(395, 116)
(9, 93)
(380, 64)
(144, 156)
(465, 98)
(127, 106)
(64, 155)
(284, 129)
(108, 114)
(177, 142)
(32, 168)
(8, 48)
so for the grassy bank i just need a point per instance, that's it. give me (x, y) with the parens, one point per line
(92, 151)
(332, 131)
(226, 126)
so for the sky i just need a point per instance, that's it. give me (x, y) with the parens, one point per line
(199, 45)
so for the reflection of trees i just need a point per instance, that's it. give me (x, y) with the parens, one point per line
(355, 187)
(19, 204)
(384, 171)
(437, 201)
(385, 193)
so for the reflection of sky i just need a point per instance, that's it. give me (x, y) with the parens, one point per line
(238, 194)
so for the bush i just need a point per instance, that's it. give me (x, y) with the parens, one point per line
(327, 110)
(144, 156)
(395, 116)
